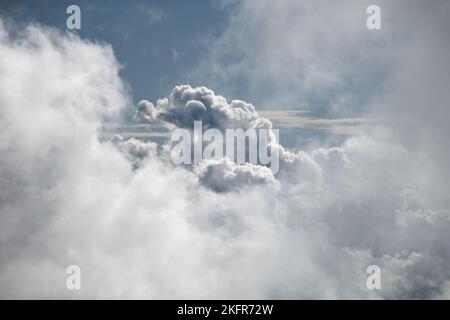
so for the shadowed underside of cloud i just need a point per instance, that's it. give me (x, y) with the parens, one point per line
(140, 227)
(225, 175)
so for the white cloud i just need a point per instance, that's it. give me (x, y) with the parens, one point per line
(186, 105)
(225, 175)
(136, 151)
(163, 232)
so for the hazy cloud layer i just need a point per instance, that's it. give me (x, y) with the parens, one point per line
(319, 56)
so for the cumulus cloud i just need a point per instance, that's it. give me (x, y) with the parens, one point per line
(186, 105)
(136, 151)
(297, 55)
(214, 230)
(224, 175)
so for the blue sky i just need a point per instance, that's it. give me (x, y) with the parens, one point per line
(376, 195)
(263, 53)
(275, 55)
(157, 42)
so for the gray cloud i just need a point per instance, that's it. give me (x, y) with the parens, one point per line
(186, 105)
(225, 175)
(136, 151)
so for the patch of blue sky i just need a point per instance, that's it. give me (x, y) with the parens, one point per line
(156, 42)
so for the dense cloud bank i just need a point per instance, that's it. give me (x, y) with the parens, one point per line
(140, 227)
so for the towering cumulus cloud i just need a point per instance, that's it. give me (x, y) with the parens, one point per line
(186, 105)
(140, 227)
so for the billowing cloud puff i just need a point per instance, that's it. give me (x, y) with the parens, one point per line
(225, 175)
(136, 151)
(186, 105)
(331, 159)
(146, 109)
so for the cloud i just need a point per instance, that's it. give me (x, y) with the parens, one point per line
(297, 55)
(136, 151)
(225, 175)
(218, 230)
(186, 105)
